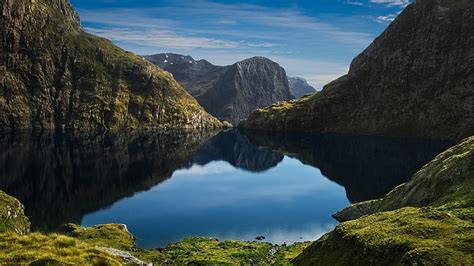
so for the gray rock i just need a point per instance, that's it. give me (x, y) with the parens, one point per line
(355, 211)
(299, 87)
(126, 257)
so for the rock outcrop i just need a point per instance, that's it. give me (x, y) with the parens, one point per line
(55, 75)
(299, 87)
(12, 215)
(230, 93)
(428, 220)
(415, 80)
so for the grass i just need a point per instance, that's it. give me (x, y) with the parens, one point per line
(286, 254)
(192, 250)
(54, 249)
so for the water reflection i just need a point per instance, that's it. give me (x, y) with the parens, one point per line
(368, 167)
(236, 185)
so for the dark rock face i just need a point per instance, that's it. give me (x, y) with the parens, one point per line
(299, 87)
(54, 75)
(416, 80)
(230, 93)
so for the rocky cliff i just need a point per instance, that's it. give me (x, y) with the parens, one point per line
(231, 92)
(54, 75)
(299, 87)
(416, 80)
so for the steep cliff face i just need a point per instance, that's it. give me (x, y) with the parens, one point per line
(54, 75)
(416, 79)
(299, 87)
(233, 92)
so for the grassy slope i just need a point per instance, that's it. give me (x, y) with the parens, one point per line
(441, 232)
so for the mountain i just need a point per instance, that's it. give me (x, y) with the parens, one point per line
(299, 87)
(55, 75)
(228, 92)
(414, 80)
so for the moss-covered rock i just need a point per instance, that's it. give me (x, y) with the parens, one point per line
(12, 216)
(429, 220)
(408, 236)
(448, 179)
(55, 75)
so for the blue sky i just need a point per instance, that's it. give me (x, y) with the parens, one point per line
(315, 39)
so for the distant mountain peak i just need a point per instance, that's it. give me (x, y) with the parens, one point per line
(299, 87)
(229, 92)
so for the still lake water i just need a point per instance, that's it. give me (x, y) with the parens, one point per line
(234, 185)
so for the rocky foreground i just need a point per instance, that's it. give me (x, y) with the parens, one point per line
(428, 220)
(53, 75)
(414, 80)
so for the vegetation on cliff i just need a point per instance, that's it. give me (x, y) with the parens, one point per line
(55, 75)
(429, 220)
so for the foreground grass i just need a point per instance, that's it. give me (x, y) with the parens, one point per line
(54, 249)
(193, 250)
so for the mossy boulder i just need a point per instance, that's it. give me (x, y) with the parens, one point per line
(408, 236)
(12, 215)
(105, 235)
(429, 220)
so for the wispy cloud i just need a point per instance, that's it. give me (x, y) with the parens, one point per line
(391, 3)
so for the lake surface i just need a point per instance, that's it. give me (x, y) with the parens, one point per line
(233, 185)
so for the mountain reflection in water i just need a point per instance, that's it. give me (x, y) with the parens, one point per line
(233, 185)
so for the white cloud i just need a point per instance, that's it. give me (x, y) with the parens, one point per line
(387, 18)
(165, 38)
(391, 3)
(354, 3)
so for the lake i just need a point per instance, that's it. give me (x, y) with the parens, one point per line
(238, 184)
